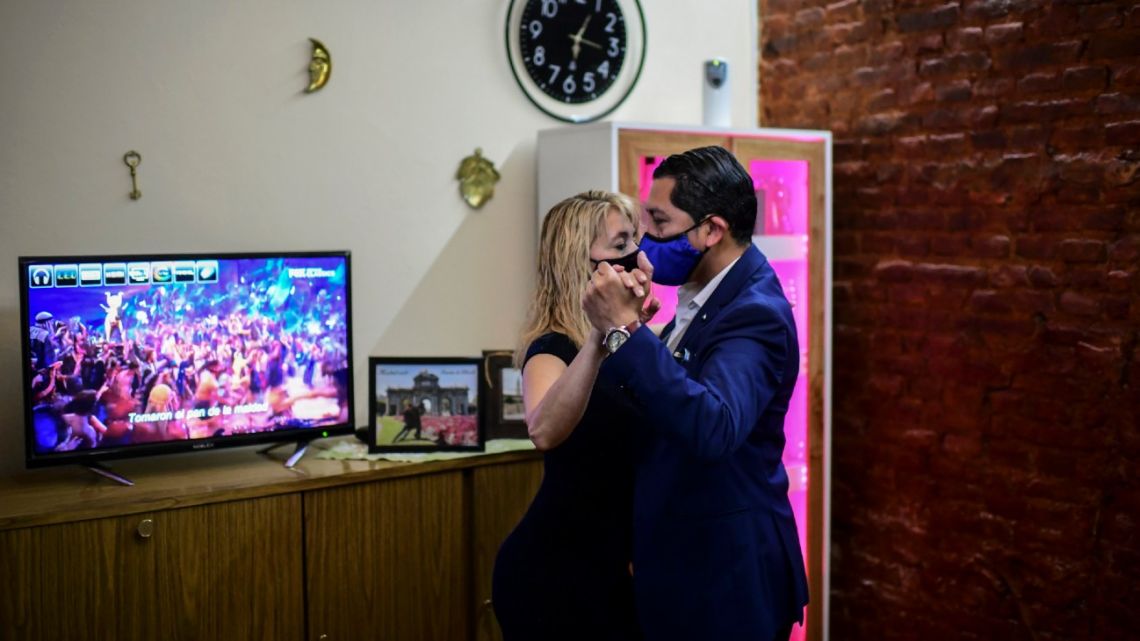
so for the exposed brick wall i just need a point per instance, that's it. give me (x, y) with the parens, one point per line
(987, 305)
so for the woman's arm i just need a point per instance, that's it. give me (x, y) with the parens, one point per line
(555, 395)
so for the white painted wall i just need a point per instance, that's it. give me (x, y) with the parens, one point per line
(237, 158)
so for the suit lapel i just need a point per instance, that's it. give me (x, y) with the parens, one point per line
(668, 329)
(734, 281)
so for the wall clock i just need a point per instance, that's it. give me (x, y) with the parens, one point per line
(576, 60)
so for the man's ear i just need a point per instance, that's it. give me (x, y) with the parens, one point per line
(718, 230)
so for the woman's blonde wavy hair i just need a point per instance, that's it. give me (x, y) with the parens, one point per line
(564, 264)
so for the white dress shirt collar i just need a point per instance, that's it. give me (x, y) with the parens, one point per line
(689, 302)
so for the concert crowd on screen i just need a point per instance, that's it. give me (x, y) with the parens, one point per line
(176, 362)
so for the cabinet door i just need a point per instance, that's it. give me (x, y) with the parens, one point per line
(225, 571)
(77, 581)
(501, 495)
(789, 173)
(19, 590)
(230, 571)
(388, 560)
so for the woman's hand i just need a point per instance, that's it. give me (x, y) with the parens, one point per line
(640, 283)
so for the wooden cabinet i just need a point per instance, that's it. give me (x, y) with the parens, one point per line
(388, 560)
(791, 173)
(225, 571)
(232, 545)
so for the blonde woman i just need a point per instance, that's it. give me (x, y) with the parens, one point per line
(563, 573)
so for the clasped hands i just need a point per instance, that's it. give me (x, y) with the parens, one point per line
(615, 297)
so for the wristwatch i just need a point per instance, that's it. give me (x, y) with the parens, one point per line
(617, 336)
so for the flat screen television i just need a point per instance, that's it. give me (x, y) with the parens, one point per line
(144, 354)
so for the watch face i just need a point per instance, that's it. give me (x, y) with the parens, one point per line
(576, 60)
(573, 51)
(615, 339)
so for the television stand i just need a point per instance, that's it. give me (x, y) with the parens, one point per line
(107, 473)
(299, 450)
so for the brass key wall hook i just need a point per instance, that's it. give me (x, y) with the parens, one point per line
(133, 159)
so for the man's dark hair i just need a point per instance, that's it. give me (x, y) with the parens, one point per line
(709, 180)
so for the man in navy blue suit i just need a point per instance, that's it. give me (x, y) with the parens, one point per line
(716, 553)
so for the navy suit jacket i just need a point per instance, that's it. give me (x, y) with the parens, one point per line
(716, 554)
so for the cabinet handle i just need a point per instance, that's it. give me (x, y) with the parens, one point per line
(145, 528)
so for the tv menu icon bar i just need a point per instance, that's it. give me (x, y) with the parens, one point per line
(118, 274)
(184, 271)
(115, 273)
(162, 273)
(66, 275)
(90, 275)
(40, 276)
(207, 271)
(138, 273)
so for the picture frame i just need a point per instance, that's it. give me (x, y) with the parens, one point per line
(425, 404)
(502, 394)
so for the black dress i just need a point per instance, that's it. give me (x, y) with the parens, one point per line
(563, 573)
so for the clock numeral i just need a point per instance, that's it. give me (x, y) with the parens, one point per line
(568, 85)
(614, 47)
(604, 69)
(535, 29)
(549, 8)
(611, 19)
(554, 75)
(539, 57)
(588, 81)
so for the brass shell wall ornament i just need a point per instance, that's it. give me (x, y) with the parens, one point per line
(320, 67)
(477, 177)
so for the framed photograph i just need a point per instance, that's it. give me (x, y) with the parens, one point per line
(424, 404)
(502, 391)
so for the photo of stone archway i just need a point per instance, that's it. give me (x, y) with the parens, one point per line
(426, 404)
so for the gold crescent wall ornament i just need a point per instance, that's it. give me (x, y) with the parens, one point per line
(320, 66)
(477, 177)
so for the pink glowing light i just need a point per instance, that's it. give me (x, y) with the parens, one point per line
(784, 184)
(784, 211)
(666, 294)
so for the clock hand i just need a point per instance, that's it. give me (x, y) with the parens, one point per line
(577, 38)
(591, 43)
(583, 29)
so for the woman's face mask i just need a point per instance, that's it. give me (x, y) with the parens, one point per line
(673, 257)
(628, 262)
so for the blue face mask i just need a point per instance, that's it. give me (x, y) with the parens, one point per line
(673, 257)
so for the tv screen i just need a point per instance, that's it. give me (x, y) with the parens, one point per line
(132, 355)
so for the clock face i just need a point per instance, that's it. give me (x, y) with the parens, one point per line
(573, 51)
(576, 60)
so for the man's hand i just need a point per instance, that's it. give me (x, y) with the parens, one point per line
(613, 298)
(650, 310)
